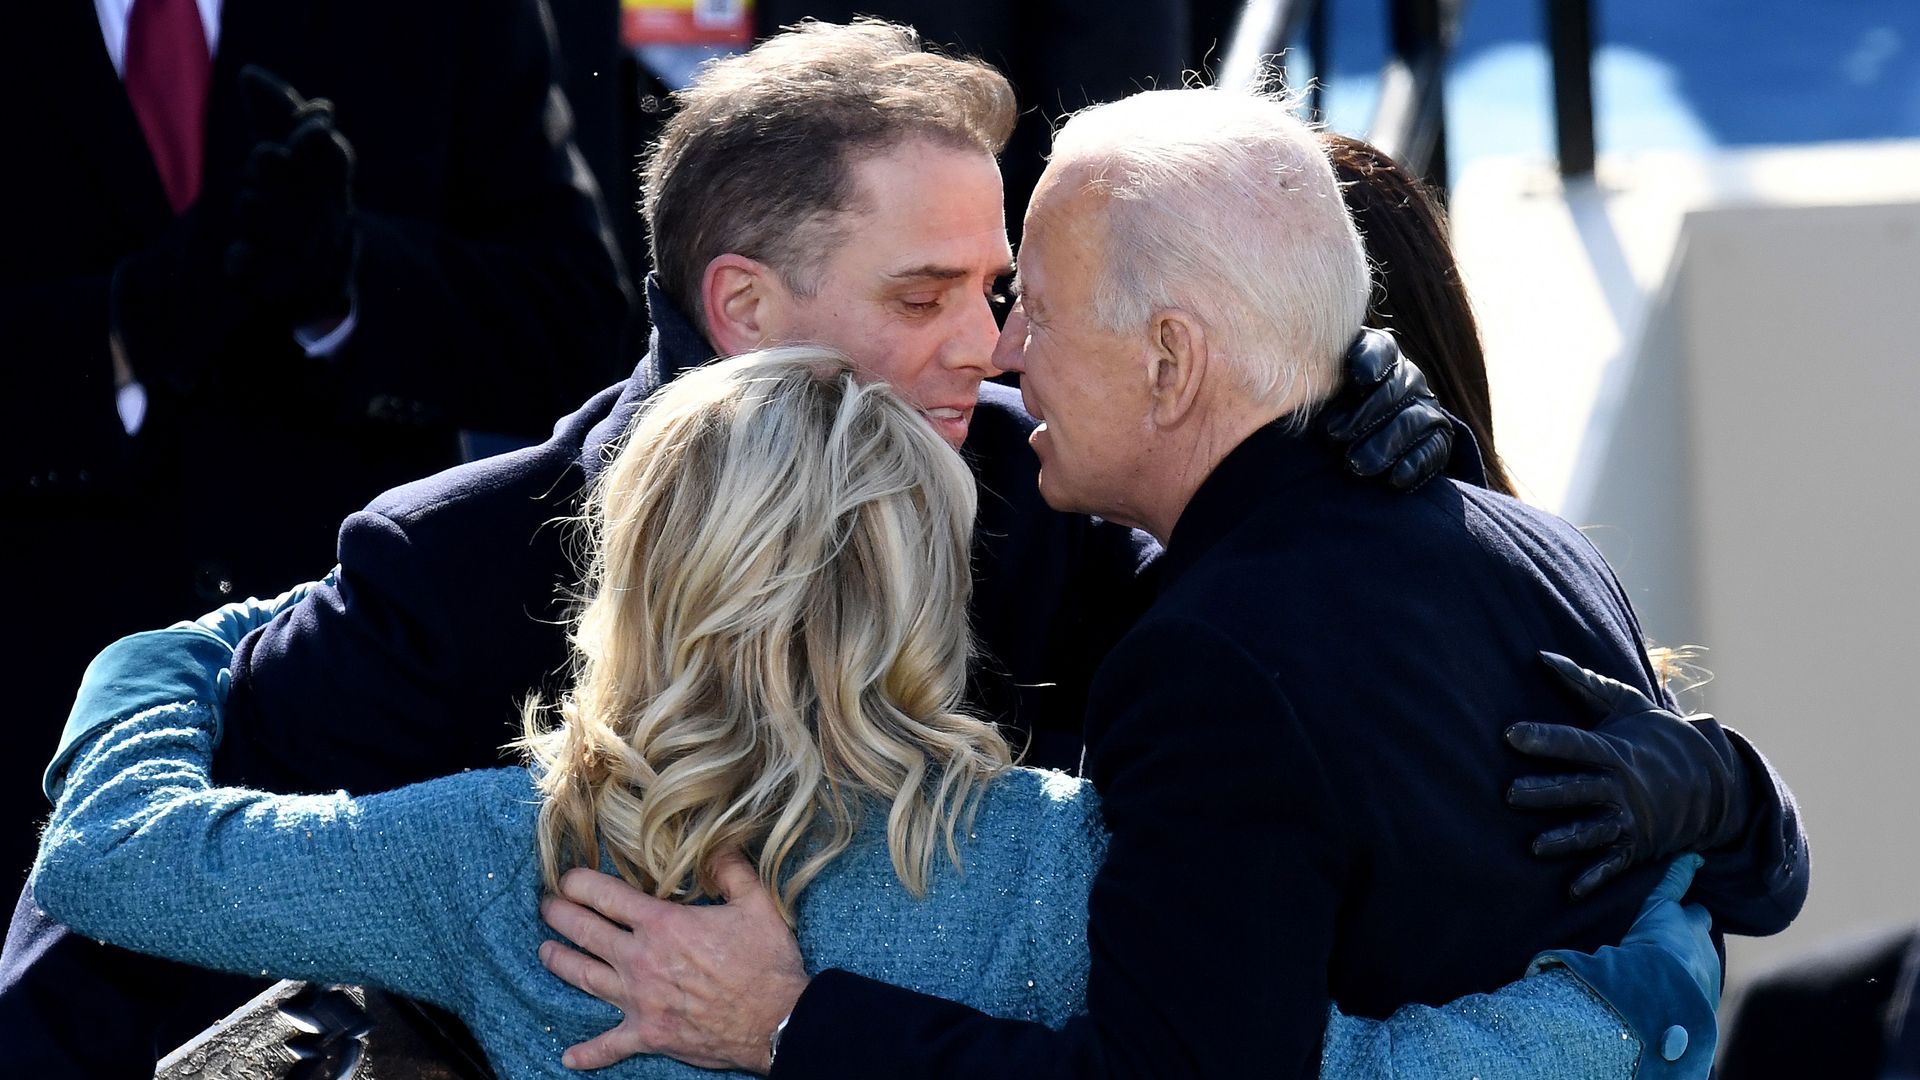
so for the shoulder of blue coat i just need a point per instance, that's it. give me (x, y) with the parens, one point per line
(1028, 810)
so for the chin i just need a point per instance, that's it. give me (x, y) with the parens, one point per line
(1059, 496)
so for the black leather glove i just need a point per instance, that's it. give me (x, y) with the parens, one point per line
(293, 228)
(1661, 783)
(1386, 417)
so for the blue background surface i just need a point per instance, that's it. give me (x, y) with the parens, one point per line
(1668, 74)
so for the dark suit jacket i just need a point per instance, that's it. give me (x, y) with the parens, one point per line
(486, 297)
(1849, 1011)
(449, 608)
(1299, 754)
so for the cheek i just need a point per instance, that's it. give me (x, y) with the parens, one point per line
(907, 357)
(906, 374)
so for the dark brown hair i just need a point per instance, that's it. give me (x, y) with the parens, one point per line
(1417, 291)
(757, 161)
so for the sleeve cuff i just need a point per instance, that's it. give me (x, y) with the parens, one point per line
(1661, 1002)
(135, 674)
(130, 401)
(323, 344)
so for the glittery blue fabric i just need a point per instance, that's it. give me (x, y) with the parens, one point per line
(432, 890)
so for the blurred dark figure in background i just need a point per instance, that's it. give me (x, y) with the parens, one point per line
(337, 233)
(1850, 1012)
(1060, 55)
(1417, 292)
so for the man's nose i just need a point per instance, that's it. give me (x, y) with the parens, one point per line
(973, 343)
(1010, 353)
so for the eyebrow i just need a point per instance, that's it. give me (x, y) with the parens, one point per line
(934, 272)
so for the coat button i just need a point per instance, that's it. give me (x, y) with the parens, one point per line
(1673, 1043)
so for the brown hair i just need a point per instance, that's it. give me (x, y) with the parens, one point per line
(1417, 290)
(758, 158)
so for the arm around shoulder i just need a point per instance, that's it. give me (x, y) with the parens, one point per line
(410, 663)
(1209, 923)
(143, 851)
(1643, 1009)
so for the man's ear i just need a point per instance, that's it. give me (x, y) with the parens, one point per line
(746, 304)
(1176, 365)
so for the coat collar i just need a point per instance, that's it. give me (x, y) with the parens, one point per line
(673, 348)
(1271, 461)
(675, 345)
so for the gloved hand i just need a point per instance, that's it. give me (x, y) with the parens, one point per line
(293, 243)
(1386, 417)
(1663, 978)
(1665, 923)
(1662, 784)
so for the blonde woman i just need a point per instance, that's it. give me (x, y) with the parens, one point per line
(770, 660)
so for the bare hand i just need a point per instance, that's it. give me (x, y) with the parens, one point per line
(706, 985)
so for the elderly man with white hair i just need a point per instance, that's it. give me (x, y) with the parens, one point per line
(1295, 746)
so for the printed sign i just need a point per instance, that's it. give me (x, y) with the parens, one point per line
(686, 22)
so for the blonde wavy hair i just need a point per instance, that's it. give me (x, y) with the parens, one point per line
(773, 637)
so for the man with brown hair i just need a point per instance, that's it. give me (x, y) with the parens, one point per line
(835, 185)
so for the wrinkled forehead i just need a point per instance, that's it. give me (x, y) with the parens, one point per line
(1065, 231)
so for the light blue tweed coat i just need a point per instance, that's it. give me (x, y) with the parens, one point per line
(433, 890)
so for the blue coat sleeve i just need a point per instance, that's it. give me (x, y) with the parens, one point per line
(1548, 1024)
(145, 852)
(1643, 1008)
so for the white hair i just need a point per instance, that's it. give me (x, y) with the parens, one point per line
(1223, 203)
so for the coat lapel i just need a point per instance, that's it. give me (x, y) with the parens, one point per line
(105, 138)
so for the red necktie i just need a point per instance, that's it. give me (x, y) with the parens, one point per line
(166, 75)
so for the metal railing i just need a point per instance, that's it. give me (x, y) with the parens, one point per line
(1409, 121)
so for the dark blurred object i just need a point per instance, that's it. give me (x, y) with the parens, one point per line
(293, 233)
(1417, 291)
(1410, 120)
(487, 297)
(485, 294)
(298, 1031)
(616, 110)
(1851, 1012)
(1061, 55)
(1570, 40)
